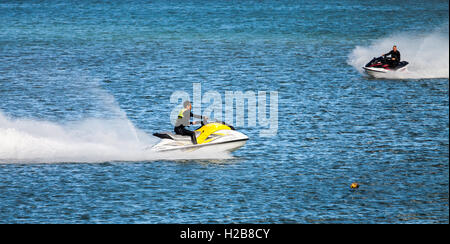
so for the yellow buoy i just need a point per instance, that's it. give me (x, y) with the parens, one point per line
(354, 185)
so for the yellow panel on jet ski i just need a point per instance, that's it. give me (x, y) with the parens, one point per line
(208, 129)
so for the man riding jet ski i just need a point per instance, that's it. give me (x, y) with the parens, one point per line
(384, 64)
(216, 136)
(183, 120)
(395, 57)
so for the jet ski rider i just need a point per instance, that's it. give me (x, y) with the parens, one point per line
(395, 57)
(183, 120)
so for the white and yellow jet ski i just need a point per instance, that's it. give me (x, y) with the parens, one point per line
(215, 137)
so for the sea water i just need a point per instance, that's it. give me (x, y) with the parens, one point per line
(83, 85)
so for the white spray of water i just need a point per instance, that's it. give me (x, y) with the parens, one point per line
(24, 140)
(427, 54)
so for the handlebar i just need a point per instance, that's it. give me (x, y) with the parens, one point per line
(204, 122)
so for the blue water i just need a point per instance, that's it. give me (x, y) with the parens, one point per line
(78, 79)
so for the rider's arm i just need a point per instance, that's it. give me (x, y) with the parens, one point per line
(196, 116)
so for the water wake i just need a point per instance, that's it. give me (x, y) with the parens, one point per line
(91, 140)
(427, 54)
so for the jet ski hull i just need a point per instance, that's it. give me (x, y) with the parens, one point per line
(166, 145)
(225, 141)
(382, 72)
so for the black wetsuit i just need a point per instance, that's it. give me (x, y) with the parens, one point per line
(393, 54)
(183, 121)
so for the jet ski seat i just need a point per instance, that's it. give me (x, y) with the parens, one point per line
(172, 136)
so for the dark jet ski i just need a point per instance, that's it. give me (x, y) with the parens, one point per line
(382, 66)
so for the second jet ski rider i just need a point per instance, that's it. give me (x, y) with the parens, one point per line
(183, 120)
(395, 57)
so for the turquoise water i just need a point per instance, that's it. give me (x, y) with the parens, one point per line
(83, 85)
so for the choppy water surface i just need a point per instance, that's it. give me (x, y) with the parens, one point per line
(84, 85)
